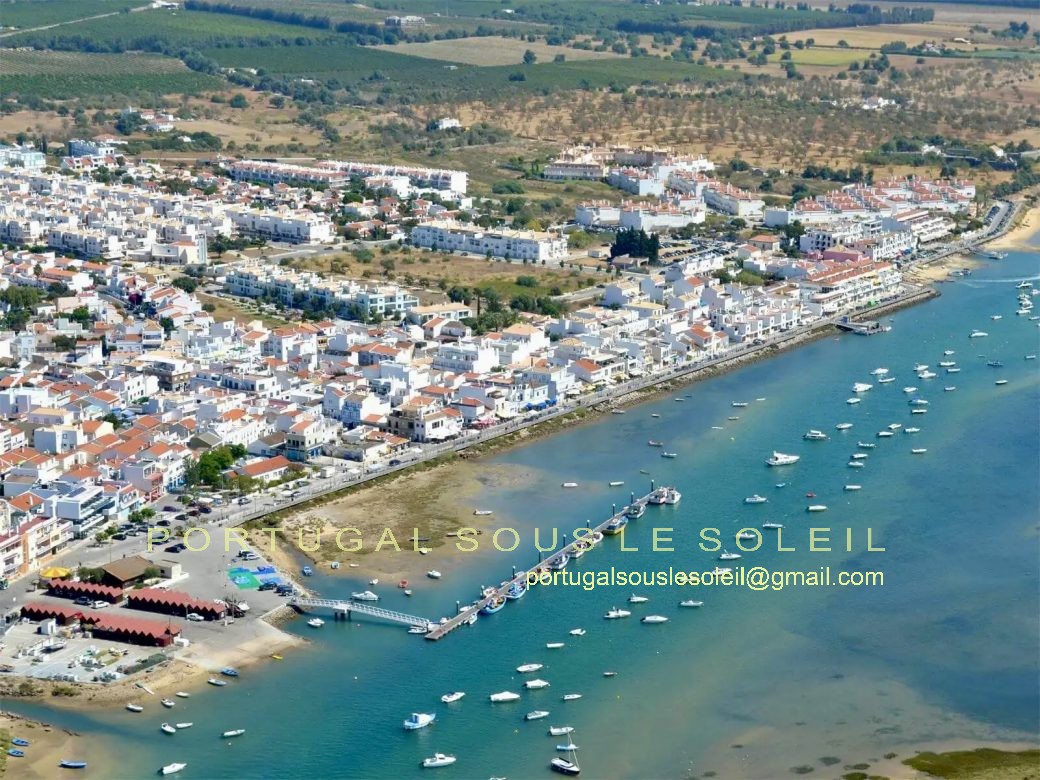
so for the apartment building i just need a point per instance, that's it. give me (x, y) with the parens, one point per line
(449, 236)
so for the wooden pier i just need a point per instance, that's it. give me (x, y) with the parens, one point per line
(441, 630)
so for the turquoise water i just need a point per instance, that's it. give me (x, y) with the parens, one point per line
(753, 683)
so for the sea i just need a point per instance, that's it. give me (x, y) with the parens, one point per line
(769, 683)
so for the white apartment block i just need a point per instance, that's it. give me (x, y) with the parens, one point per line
(733, 200)
(449, 236)
(25, 156)
(924, 226)
(296, 227)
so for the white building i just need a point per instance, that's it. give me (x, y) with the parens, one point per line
(448, 236)
(733, 200)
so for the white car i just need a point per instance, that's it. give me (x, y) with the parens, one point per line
(195, 617)
(99, 605)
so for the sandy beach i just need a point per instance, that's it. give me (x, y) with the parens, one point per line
(1019, 236)
(48, 746)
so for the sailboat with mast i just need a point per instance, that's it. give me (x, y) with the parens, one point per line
(569, 765)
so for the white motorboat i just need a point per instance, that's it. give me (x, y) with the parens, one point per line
(536, 715)
(885, 434)
(773, 526)
(634, 599)
(182, 695)
(610, 674)
(571, 696)
(949, 389)
(852, 488)
(135, 708)
(655, 619)
(852, 401)
(953, 371)
(535, 685)
(949, 352)
(167, 728)
(867, 445)
(504, 696)
(1030, 357)
(718, 571)
(691, 603)
(167, 703)
(860, 455)
(1001, 382)
(569, 485)
(755, 499)
(814, 435)
(373, 582)
(433, 574)
(921, 367)
(187, 725)
(315, 622)
(746, 536)
(977, 334)
(918, 402)
(233, 733)
(448, 698)
(856, 464)
(861, 387)
(559, 731)
(782, 459)
(842, 426)
(525, 668)
(909, 389)
(927, 375)
(911, 430)
(366, 595)
(553, 645)
(895, 426)
(617, 411)
(879, 372)
(739, 404)
(568, 747)
(886, 379)
(816, 508)
(669, 455)
(616, 483)
(577, 632)
(419, 720)
(725, 555)
(172, 769)
(438, 759)
(217, 682)
(918, 450)
(655, 415)
(947, 363)
(919, 410)
(616, 614)
(483, 512)
(996, 316)
(565, 766)
(419, 630)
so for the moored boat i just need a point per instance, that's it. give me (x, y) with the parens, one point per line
(448, 698)
(536, 715)
(814, 435)
(755, 499)
(167, 728)
(438, 759)
(365, 595)
(655, 619)
(782, 459)
(216, 682)
(536, 684)
(615, 614)
(419, 720)
(171, 769)
(233, 733)
(525, 668)
(816, 508)
(615, 526)
(504, 696)
(571, 696)
(135, 708)
(691, 603)
(559, 731)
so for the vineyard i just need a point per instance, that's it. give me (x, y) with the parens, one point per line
(36, 13)
(64, 75)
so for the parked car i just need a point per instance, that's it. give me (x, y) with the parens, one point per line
(395, 462)
(169, 509)
(205, 510)
(99, 605)
(195, 617)
(244, 500)
(173, 548)
(119, 537)
(83, 601)
(163, 522)
(181, 517)
(267, 586)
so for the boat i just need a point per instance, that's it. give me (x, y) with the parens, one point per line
(374, 582)
(171, 769)
(516, 591)
(229, 671)
(417, 630)
(1023, 285)
(655, 619)
(536, 715)
(851, 488)
(949, 352)
(419, 720)
(559, 731)
(493, 605)
(365, 595)
(615, 525)
(483, 512)
(755, 499)
(433, 574)
(504, 696)
(977, 334)
(927, 375)
(315, 622)
(187, 725)
(616, 614)
(859, 456)
(773, 526)
(166, 727)
(886, 379)
(569, 485)
(536, 685)
(635, 511)
(565, 766)
(953, 371)
(810, 495)
(734, 418)
(403, 584)
(525, 668)
(885, 434)
(814, 435)
(852, 401)
(561, 563)
(616, 483)
(571, 696)
(856, 464)
(233, 733)
(167, 703)
(816, 508)
(842, 426)
(918, 450)
(655, 415)
(617, 411)
(15, 753)
(669, 455)
(879, 372)
(438, 759)
(553, 645)
(1024, 311)
(610, 674)
(921, 367)
(66, 764)
(947, 363)
(667, 495)
(634, 599)
(569, 746)
(911, 430)
(691, 603)
(867, 445)
(780, 485)
(909, 389)
(718, 571)
(725, 555)
(739, 404)
(653, 443)
(182, 695)
(19, 742)
(919, 410)
(994, 364)
(135, 708)
(1030, 357)
(895, 426)
(861, 387)
(949, 389)
(577, 632)
(782, 459)
(918, 402)
(215, 681)
(1001, 382)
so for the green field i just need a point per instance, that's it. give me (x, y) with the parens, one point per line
(840, 57)
(66, 75)
(379, 70)
(35, 13)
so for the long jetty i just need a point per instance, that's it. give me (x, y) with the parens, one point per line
(519, 579)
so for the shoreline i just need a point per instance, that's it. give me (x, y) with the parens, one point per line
(48, 746)
(1019, 237)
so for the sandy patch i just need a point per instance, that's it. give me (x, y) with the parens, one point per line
(895, 769)
(1019, 236)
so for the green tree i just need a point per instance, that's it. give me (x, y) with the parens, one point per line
(530, 58)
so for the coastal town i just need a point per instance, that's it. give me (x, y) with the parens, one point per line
(135, 412)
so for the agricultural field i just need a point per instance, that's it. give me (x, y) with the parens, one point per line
(825, 57)
(67, 75)
(876, 36)
(493, 51)
(37, 13)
